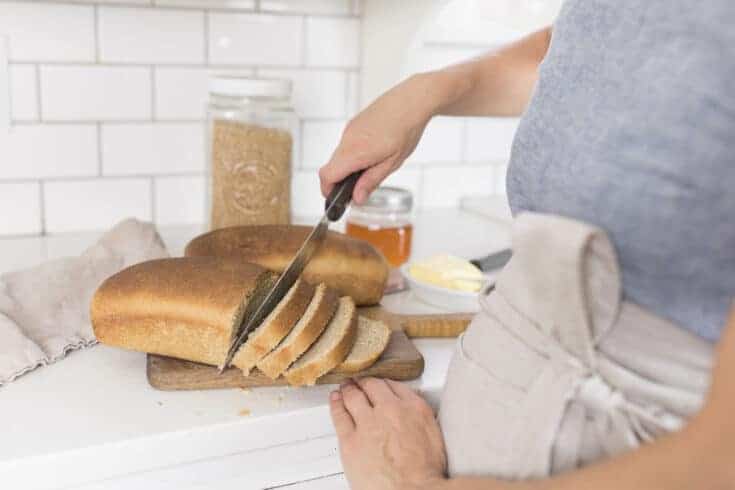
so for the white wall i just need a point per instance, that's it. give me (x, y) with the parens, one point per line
(106, 104)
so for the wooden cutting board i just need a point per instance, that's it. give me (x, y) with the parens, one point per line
(400, 361)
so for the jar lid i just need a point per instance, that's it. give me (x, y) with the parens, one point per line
(388, 200)
(236, 86)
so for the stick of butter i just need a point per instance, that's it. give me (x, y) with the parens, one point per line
(448, 271)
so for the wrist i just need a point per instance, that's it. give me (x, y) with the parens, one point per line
(440, 88)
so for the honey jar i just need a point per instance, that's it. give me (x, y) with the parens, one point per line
(384, 220)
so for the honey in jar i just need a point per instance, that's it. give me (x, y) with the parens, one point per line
(385, 222)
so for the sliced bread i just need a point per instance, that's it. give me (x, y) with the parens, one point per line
(303, 334)
(330, 349)
(372, 339)
(275, 327)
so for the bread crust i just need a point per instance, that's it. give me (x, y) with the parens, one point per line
(279, 326)
(179, 307)
(353, 267)
(307, 374)
(275, 363)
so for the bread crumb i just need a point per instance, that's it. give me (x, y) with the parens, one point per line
(244, 412)
(246, 390)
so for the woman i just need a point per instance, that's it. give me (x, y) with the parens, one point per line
(628, 126)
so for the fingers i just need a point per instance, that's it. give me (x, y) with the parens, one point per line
(341, 418)
(370, 180)
(341, 164)
(377, 391)
(355, 400)
(402, 391)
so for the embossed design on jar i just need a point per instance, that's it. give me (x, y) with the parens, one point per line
(251, 171)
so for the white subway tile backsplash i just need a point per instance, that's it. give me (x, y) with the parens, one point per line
(48, 32)
(38, 151)
(255, 39)
(179, 200)
(21, 209)
(501, 171)
(211, 4)
(95, 204)
(182, 93)
(353, 94)
(320, 138)
(306, 195)
(331, 41)
(23, 93)
(490, 139)
(444, 186)
(441, 142)
(316, 93)
(84, 93)
(137, 35)
(117, 2)
(340, 7)
(152, 149)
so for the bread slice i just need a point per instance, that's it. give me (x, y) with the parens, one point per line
(304, 333)
(182, 307)
(350, 266)
(372, 339)
(330, 349)
(275, 327)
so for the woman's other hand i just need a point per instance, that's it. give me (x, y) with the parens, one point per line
(388, 436)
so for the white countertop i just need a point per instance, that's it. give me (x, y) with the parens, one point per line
(92, 416)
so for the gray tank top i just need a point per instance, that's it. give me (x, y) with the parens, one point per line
(632, 128)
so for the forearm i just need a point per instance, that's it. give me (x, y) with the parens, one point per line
(498, 83)
(672, 463)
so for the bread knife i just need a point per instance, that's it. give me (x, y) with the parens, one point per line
(334, 207)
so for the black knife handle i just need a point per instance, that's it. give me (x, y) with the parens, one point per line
(341, 195)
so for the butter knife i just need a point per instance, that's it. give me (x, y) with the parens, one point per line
(334, 208)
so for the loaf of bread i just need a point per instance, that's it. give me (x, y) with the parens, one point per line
(352, 267)
(184, 307)
(188, 308)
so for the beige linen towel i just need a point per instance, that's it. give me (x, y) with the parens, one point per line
(558, 370)
(44, 310)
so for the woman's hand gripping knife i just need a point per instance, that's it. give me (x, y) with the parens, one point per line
(383, 135)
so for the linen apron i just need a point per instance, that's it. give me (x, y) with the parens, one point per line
(557, 371)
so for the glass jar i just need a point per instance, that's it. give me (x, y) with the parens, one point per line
(250, 128)
(384, 221)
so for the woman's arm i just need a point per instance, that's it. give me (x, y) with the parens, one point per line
(383, 135)
(701, 456)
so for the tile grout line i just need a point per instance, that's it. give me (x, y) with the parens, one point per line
(38, 92)
(96, 33)
(99, 150)
(154, 109)
(42, 205)
(304, 40)
(153, 199)
(177, 64)
(206, 37)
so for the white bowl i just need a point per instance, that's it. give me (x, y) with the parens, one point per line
(447, 299)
